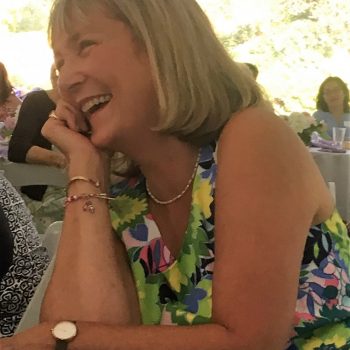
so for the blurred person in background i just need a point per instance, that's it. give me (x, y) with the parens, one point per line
(9, 102)
(332, 104)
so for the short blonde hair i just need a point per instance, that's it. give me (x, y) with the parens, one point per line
(199, 87)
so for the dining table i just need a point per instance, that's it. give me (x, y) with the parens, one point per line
(335, 169)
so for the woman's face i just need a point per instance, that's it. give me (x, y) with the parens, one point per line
(333, 94)
(104, 73)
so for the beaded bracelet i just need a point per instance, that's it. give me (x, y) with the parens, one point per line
(88, 205)
(83, 178)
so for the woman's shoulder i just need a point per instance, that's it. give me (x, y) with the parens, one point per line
(257, 134)
(255, 125)
(256, 141)
(36, 95)
(321, 113)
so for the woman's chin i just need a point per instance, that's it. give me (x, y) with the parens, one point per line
(102, 143)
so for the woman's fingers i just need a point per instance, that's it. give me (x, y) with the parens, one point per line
(68, 114)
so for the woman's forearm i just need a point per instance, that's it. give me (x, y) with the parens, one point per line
(40, 155)
(204, 337)
(91, 279)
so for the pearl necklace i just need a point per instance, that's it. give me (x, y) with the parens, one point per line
(172, 200)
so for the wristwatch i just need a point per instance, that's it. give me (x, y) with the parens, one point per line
(64, 332)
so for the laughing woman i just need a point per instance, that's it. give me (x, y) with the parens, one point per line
(213, 232)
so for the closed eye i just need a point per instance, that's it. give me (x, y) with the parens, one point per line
(84, 44)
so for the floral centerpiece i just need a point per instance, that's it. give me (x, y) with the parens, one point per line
(304, 125)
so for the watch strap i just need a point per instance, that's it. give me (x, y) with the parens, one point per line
(61, 344)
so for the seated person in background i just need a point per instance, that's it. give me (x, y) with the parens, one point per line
(9, 102)
(332, 103)
(6, 245)
(253, 69)
(30, 259)
(27, 145)
(212, 231)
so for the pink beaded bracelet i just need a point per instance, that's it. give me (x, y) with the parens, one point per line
(88, 205)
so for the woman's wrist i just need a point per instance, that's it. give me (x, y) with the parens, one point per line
(94, 169)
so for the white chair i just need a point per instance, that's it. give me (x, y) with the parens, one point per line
(20, 174)
(32, 314)
(51, 237)
(331, 186)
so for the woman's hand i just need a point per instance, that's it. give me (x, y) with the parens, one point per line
(58, 160)
(68, 131)
(36, 338)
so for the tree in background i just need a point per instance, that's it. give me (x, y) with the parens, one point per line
(25, 15)
(295, 43)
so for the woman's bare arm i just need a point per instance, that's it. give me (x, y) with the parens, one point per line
(91, 279)
(40, 155)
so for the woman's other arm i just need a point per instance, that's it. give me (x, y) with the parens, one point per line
(269, 193)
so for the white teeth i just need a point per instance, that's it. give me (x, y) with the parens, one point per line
(95, 101)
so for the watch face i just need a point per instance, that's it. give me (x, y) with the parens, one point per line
(65, 330)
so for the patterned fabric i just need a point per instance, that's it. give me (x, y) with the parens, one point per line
(178, 291)
(29, 261)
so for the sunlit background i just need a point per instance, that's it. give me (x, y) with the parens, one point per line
(296, 44)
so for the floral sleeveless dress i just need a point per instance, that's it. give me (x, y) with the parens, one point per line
(179, 291)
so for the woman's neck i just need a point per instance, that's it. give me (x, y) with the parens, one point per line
(168, 158)
(336, 111)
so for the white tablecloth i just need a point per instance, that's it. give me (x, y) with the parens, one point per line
(335, 167)
(20, 174)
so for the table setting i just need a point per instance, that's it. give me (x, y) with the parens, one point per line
(331, 155)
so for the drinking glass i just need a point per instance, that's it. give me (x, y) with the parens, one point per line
(338, 136)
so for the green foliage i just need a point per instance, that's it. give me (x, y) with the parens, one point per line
(296, 44)
(30, 16)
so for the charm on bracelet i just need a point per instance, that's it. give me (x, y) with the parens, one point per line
(88, 206)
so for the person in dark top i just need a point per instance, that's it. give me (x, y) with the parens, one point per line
(6, 245)
(27, 145)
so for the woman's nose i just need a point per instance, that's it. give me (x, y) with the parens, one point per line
(69, 81)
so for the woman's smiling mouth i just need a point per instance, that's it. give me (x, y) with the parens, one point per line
(95, 103)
